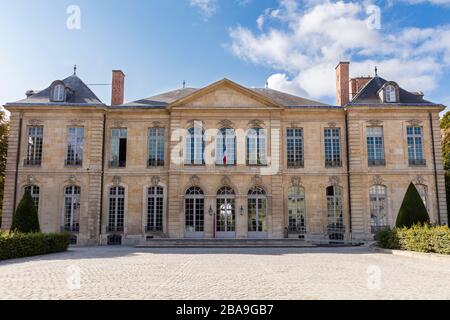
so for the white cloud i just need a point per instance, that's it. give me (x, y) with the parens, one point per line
(206, 7)
(435, 2)
(305, 44)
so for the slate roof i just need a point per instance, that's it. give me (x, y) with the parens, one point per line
(81, 95)
(369, 95)
(164, 99)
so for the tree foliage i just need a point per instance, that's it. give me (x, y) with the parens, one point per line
(4, 130)
(26, 218)
(413, 210)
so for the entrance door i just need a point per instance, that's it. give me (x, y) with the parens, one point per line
(225, 213)
(194, 204)
(257, 213)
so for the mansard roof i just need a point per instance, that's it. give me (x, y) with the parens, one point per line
(274, 97)
(80, 95)
(369, 95)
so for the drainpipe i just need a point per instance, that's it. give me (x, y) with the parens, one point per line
(102, 174)
(435, 168)
(348, 173)
(16, 177)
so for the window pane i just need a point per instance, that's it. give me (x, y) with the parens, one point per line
(156, 147)
(332, 147)
(34, 150)
(295, 147)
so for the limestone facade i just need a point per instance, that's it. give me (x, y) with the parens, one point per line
(223, 104)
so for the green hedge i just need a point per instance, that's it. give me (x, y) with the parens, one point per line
(17, 245)
(426, 238)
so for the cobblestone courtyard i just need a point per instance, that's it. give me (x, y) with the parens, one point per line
(313, 273)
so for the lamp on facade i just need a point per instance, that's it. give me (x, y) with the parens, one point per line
(210, 211)
(242, 210)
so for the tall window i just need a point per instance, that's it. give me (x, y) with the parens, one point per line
(58, 93)
(295, 148)
(422, 190)
(195, 146)
(256, 146)
(226, 147)
(378, 208)
(415, 148)
(34, 192)
(296, 210)
(34, 151)
(75, 137)
(194, 204)
(335, 213)
(155, 207)
(116, 209)
(375, 149)
(155, 147)
(118, 156)
(257, 210)
(332, 147)
(391, 93)
(72, 209)
(226, 211)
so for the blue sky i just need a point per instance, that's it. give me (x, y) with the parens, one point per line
(294, 45)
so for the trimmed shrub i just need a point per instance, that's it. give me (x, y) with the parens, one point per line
(17, 245)
(413, 210)
(26, 217)
(418, 238)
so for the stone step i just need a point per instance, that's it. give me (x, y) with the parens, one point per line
(225, 243)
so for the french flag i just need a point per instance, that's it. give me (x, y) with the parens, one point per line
(225, 154)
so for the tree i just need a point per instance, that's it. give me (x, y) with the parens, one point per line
(26, 218)
(413, 210)
(445, 127)
(4, 130)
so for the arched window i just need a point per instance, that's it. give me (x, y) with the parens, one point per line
(72, 208)
(296, 210)
(195, 146)
(256, 146)
(59, 93)
(335, 213)
(423, 191)
(390, 93)
(34, 192)
(194, 204)
(378, 208)
(257, 211)
(226, 147)
(226, 210)
(116, 209)
(155, 207)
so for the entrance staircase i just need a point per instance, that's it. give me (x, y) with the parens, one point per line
(225, 243)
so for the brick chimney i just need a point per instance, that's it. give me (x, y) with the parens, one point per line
(342, 83)
(356, 84)
(118, 87)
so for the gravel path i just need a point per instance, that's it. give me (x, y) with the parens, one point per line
(260, 273)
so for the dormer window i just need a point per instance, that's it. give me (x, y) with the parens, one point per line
(390, 94)
(59, 93)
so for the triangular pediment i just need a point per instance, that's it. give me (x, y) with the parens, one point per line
(224, 94)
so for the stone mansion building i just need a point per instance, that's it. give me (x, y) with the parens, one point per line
(223, 161)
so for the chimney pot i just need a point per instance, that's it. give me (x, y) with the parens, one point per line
(118, 87)
(342, 83)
